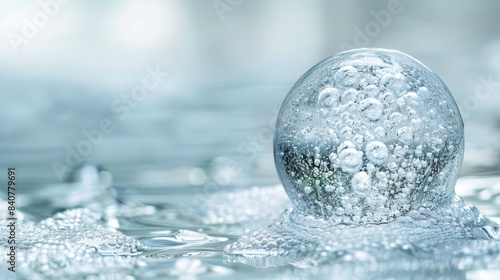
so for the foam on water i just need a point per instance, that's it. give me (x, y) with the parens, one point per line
(70, 244)
(369, 145)
(219, 208)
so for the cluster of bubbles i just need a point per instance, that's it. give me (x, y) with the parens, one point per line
(366, 136)
(238, 207)
(457, 237)
(369, 145)
(70, 244)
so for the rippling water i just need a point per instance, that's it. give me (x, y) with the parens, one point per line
(166, 235)
(177, 217)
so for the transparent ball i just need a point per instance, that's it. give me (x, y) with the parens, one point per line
(366, 136)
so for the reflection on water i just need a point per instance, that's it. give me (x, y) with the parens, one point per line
(177, 238)
(187, 209)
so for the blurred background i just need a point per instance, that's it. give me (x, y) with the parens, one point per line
(178, 100)
(179, 93)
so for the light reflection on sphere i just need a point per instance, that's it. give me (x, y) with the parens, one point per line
(367, 135)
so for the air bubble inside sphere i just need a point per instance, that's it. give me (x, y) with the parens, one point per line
(366, 136)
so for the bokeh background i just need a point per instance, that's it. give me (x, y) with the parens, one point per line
(230, 64)
(216, 72)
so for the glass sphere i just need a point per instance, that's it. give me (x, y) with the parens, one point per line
(366, 136)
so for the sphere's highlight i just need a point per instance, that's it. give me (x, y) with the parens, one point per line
(366, 136)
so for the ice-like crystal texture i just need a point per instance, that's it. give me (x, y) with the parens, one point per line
(367, 135)
(70, 244)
